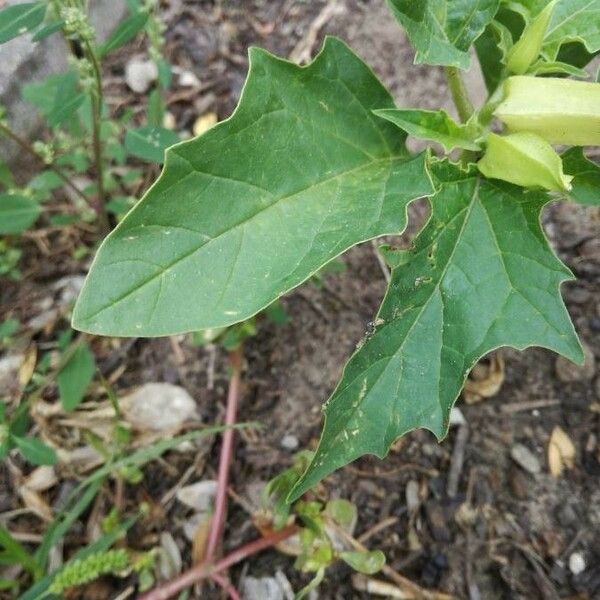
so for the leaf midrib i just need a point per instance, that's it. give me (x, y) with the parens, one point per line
(190, 253)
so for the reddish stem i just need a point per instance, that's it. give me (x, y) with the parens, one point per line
(233, 400)
(226, 585)
(202, 571)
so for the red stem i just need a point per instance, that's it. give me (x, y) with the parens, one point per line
(202, 571)
(226, 585)
(233, 400)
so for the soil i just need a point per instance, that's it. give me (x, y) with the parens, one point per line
(507, 533)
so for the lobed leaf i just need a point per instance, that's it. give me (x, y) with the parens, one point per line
(481, 276)
(434, 125)
(442, 32)
(301, 172)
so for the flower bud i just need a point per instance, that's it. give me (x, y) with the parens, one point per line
(562, 111)
(522, 55)
(524, 159)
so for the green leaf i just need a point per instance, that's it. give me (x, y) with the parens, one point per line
(64, 110)
(434, 125)
(557, 68)
(480, 276)
(14, 553)
(35, 451)
(17, 213)
(20, 18)
(573, 21)
(368, 563)
(150, 143)
(75, 377)
(441, 31)
(124, 33)
(492, 48)
(586, 177)
(300, 173)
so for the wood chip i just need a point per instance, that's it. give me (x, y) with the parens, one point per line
(561, 452)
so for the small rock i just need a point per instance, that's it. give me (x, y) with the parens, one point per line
(412, 496)
(140, 74)
(42, 320)
(525, 458)
(69, 288)
(577, 563)
(9, 370)
(188, 79)
(569, 372)
(289, 442)
(456, 417)
(159, 407)
(198, 496)
(169, 558)
(265, 588)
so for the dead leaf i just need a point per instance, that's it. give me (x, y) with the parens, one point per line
(485, 380)
(41, 479)
(28, 366)
(561, 452)
(204, 123)
(35, 503)
(200, 540)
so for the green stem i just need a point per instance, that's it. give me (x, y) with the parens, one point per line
(97, 101)
(459, 94)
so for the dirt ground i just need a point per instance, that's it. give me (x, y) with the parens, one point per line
(506, 532)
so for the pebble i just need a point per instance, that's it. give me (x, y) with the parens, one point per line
(577, 563)
(569, 372)
(412, 496)
(159, 407)
(525, 458)
(199, 495)
(140, 74)
(266, 588)
(188, 79)
(289, 442)
(456, 417)
(9, 369)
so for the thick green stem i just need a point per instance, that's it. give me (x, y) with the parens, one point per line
(97, 101)
(459, 94)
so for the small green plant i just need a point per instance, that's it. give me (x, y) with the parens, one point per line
(314, 161)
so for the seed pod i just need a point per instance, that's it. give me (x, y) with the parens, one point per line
(525, 159)
(522, 55)
(562, 111)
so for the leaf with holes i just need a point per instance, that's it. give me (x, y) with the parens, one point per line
(481, 276)
(442, 32)
(300, 173)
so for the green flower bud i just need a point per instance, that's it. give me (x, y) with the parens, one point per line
(522, 55)
(562, 111)
(524, 159)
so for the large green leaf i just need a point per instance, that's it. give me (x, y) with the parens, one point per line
(300, 173)
(481, 275)
(442, 31)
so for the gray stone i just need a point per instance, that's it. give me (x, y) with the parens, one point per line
(23, 61)
(140, 74)
(577, 563)
(525, 458)
(289, 442)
